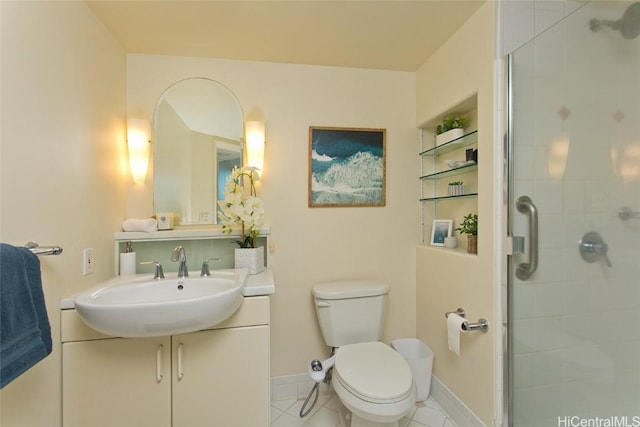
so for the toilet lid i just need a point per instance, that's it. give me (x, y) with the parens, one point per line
(374, 372)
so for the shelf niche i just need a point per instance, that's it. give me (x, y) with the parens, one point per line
(436, 174)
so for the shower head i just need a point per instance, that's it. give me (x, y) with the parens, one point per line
(628, 25)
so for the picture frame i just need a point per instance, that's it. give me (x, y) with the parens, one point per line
(441, 228)
(347, 166)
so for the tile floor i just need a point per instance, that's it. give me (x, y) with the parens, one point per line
(285, 413)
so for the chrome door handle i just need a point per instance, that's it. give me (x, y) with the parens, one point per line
(525, 205)
(180, 361)
(159, 375)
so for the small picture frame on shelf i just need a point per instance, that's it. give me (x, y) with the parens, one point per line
(471, 155)
(441, 228)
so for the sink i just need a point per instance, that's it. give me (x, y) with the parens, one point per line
(139, 306)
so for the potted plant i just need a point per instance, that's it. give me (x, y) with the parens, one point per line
(452, 127)
(455, 188)
(245, 209)
(469, 226)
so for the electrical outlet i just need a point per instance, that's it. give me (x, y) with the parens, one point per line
(87, 261)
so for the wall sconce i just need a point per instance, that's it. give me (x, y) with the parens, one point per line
(255, 144)
(138, 140)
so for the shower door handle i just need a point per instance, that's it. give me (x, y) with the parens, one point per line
(525, 205)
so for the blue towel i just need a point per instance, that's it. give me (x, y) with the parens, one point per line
(25, 333)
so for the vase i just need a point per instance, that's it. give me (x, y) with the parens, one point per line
(250, 258)
(455, 190)
(448, 136)
(451, 242)
(472, 244)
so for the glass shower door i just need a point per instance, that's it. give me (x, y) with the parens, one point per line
(574, 323)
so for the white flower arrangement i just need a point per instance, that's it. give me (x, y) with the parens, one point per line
(240, 208)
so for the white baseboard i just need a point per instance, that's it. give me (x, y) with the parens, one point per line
(454, 407)
(295, 386)
(298, 386)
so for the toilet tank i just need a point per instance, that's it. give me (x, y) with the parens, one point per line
(351, 312)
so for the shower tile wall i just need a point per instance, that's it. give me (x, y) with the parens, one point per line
(577, 133)
(522, 20)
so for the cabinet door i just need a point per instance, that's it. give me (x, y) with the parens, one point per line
(116, 382)
(221, 378)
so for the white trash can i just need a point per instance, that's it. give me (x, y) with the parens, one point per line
(420, 358)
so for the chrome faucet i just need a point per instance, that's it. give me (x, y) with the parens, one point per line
(179, 255)
(159, 274)
(204, 271)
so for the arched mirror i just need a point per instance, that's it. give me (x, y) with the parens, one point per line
(198, 134)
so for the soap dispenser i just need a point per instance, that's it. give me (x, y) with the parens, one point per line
(127, 261)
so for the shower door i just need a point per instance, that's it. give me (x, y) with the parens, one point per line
(574, 318)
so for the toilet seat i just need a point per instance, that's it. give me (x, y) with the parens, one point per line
(373, 372)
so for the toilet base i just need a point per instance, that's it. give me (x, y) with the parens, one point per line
(356, 421)
(348, 419)
(345, 417)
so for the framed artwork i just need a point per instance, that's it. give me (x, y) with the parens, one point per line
(441, 228)
(347, 167)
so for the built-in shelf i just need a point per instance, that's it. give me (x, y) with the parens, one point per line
(181, 233)
(200, 243)
(466, 140)
(438, 198)
(444, 165)
(451, 172)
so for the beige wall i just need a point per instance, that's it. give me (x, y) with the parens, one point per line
(462, 68)
(63, 181)
(62, 174)
(319, 244)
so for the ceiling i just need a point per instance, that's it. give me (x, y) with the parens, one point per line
(388, 35)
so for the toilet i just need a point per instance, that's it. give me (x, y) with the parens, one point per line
(372, 380)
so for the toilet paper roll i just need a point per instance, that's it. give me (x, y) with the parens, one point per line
(128, 264)
(454, 327)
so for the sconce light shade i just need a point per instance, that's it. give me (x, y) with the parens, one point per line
(255, 144)
(138, 131)
(557, 156)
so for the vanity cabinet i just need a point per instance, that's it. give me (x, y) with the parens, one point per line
(112, 382)
(218, 376)
(221, 378)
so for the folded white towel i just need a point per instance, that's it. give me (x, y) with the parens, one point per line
(147, 225)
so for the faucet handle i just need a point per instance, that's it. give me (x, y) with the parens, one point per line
(204, 271)
(159, 274)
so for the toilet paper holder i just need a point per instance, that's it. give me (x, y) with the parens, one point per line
(481, 325)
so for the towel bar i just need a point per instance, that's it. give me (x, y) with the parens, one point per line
(43, 250)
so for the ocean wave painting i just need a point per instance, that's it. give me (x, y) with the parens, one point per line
(347, 167)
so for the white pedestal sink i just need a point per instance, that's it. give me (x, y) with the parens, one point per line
(139, 306)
